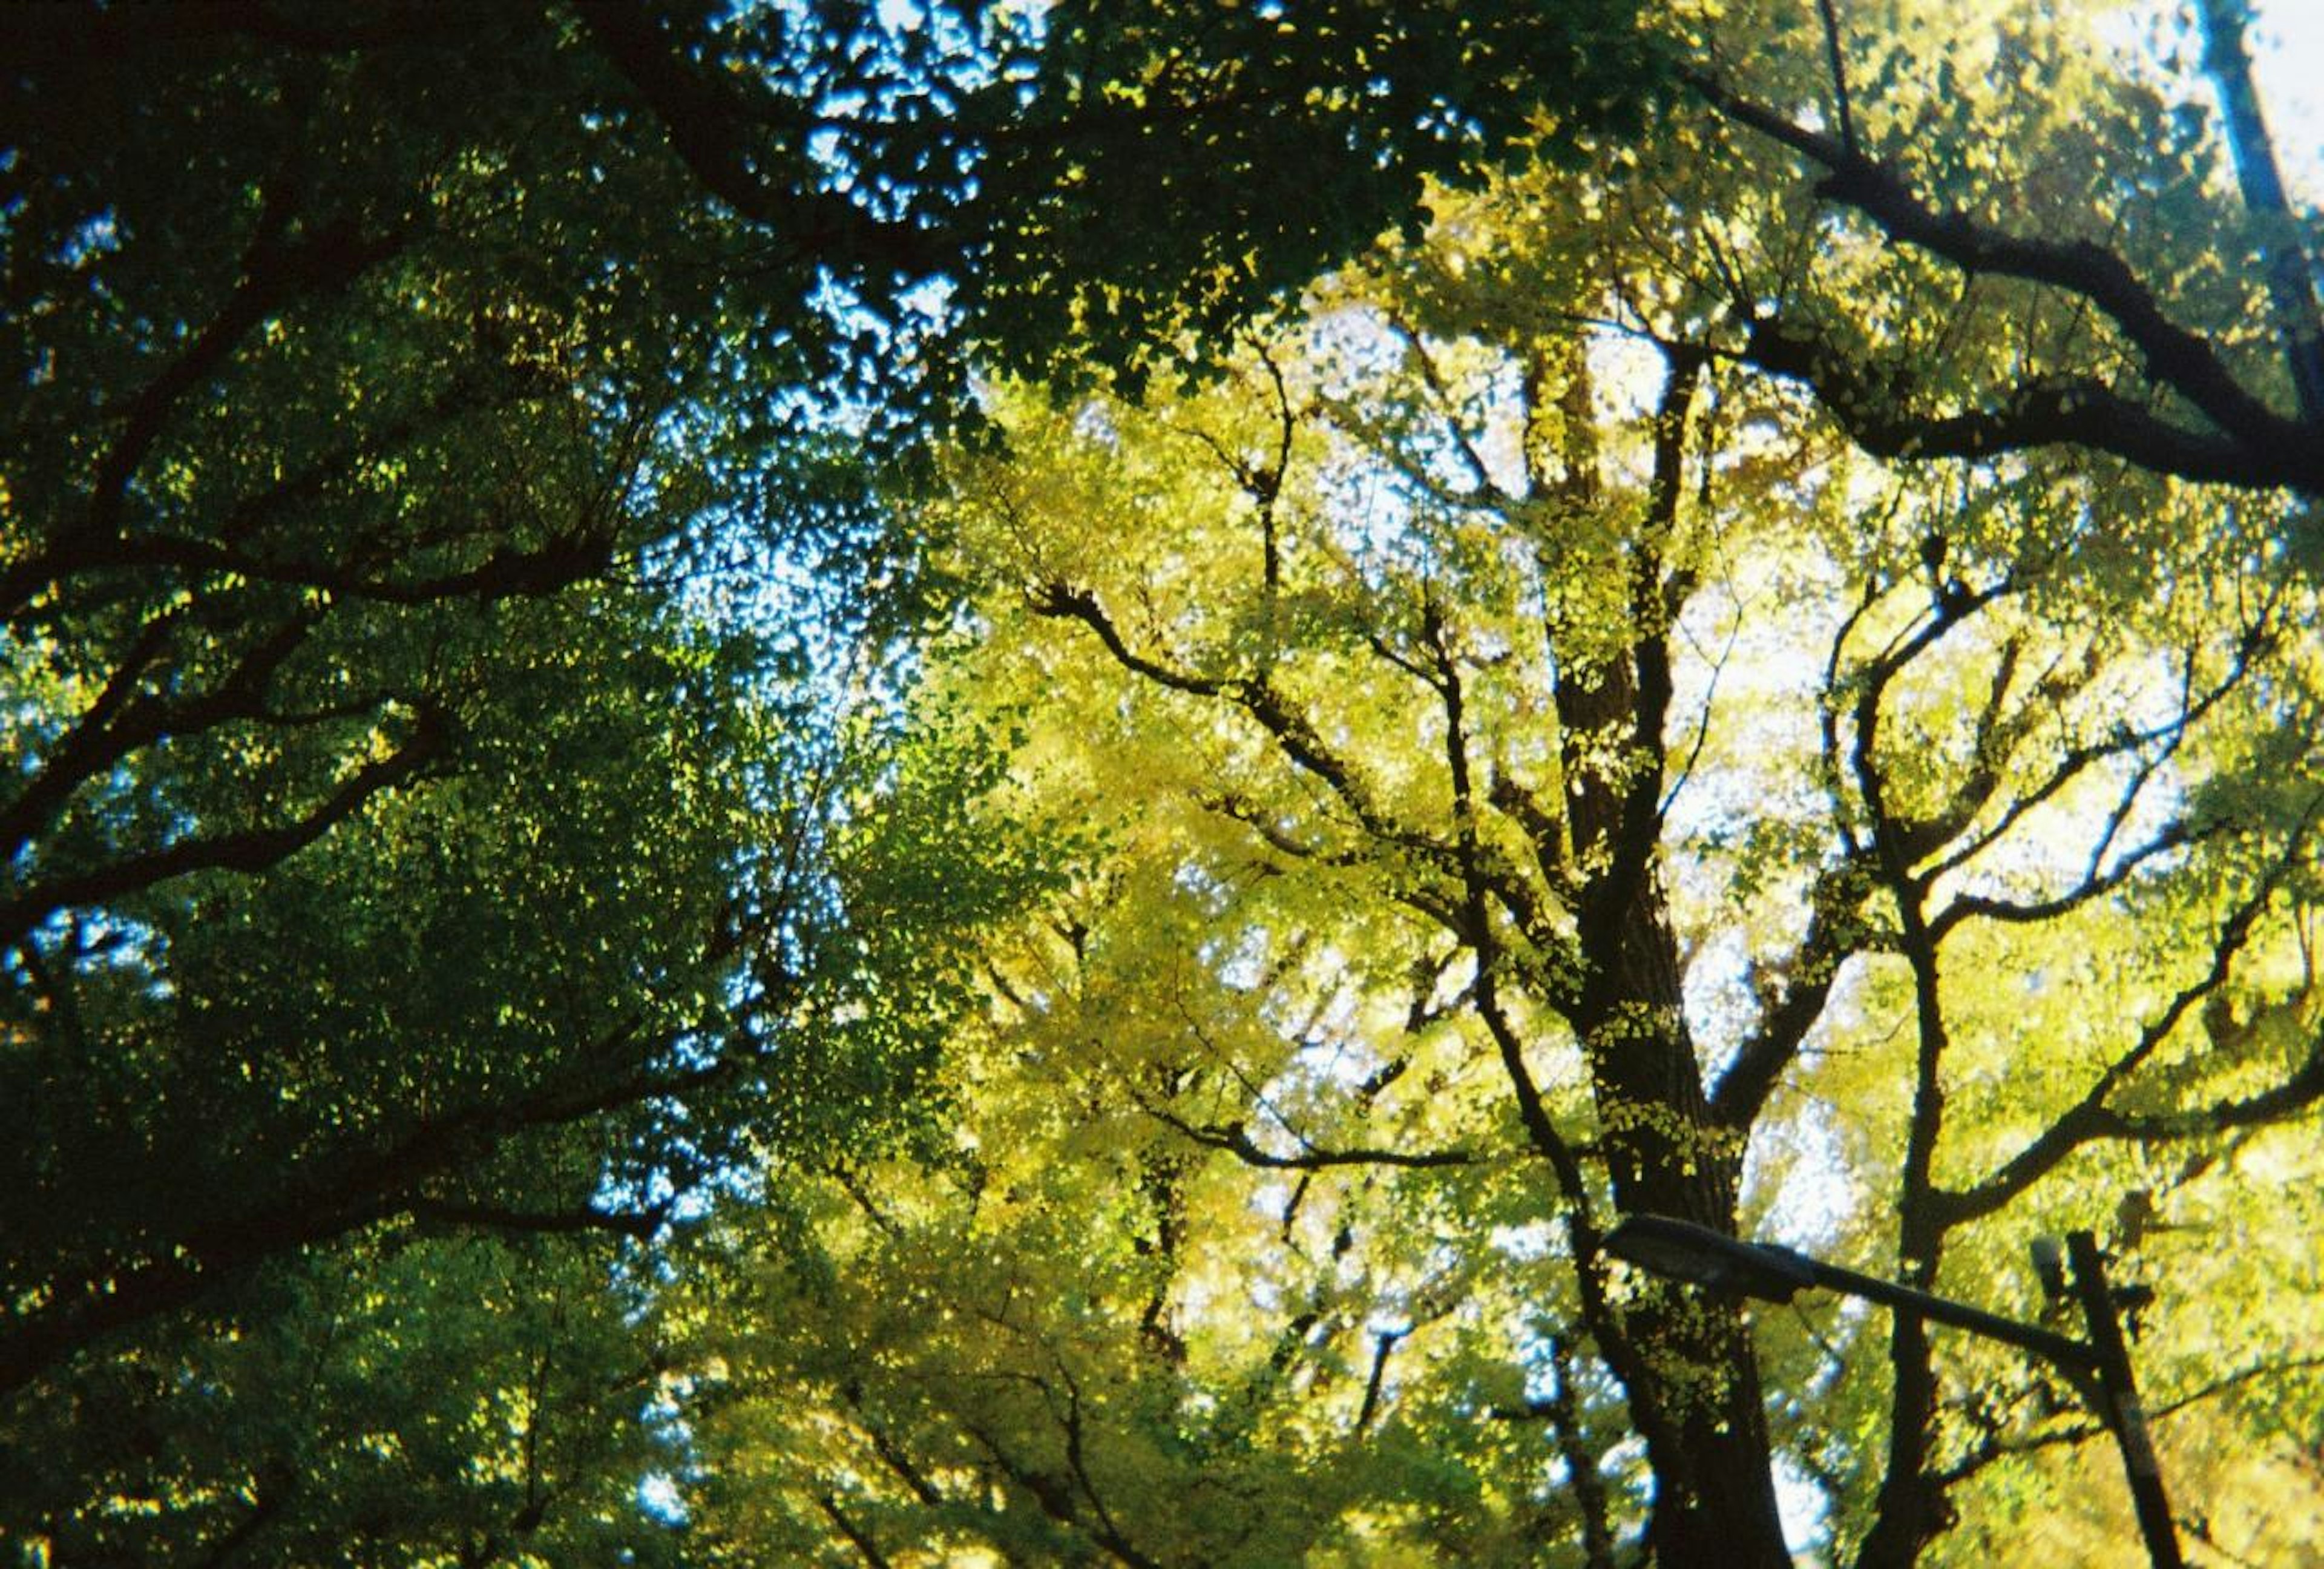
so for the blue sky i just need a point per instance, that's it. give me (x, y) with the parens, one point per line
(2288, 55)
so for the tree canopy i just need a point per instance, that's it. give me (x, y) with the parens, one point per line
(927, 784)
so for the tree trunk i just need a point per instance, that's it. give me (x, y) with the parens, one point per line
(1688, 1367)
(1685, 1358)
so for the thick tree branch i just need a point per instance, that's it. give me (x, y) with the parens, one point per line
(2249, 443)
(440, 1212)
(2298, 1091)
(123, 719)
(246, 851)
(2093, 1117)
(1908, 1509)
(315, 1204)
(2046, 412)
(890, 1452)
(1384, 1344)
(748, 152)
(2098, 883)
(1258, 696)
(275, 276)
(1838, 929)
(847, 1528)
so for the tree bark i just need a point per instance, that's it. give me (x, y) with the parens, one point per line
(1715, 1495)
(1715, 1498)
(2290, 280)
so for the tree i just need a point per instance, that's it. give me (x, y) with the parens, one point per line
(403, 827)
(1549, 782)
(2182, 359)
(407, 407)
(454, 1397)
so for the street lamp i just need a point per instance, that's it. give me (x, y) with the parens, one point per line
(1699, 1256)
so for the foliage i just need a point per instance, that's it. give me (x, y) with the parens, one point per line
(669, 823)
(461, 803)
(1551, 774)
(412, 1400)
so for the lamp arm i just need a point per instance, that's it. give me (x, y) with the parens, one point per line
(2071, 1355)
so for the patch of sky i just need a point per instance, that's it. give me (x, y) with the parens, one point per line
(799, 544)
(1804, 1510)
(1356, 347)
(1213, 891)
(1796, 1180)
(1241, 965)
(1372, 517)
(95, 236)
(1093, 422)
(2287, 38)
(661, 1499)
(1524, 1244)
(889, 95)
(1751, 644)
(2157, 39)
(90, 941)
